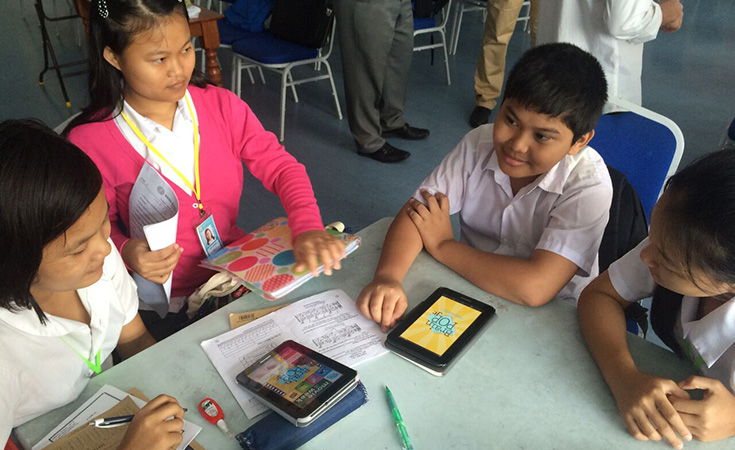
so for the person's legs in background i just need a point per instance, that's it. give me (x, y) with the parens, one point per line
(499, 26)
(392, 120)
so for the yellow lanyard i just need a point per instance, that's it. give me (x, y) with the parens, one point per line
(197, 189)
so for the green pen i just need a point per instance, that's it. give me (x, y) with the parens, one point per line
(398, 420)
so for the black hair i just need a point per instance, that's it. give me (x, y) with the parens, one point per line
(125, 19)
(46, 184)
(698, 222)
(560, 80)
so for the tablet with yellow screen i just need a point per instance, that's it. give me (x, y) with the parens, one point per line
(435, 332)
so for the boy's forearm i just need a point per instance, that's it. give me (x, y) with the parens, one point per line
(401, 246)
(602, 321)
(515, 279)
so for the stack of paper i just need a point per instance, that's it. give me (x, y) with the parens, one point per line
(264, 261)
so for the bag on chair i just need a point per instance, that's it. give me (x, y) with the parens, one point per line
(304, 22)
(428, 8)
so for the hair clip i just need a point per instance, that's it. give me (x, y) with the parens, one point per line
(102, 9)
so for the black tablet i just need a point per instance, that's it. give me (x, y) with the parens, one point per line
(435, 332)
(297, 382)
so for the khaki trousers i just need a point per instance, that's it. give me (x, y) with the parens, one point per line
(499, 26)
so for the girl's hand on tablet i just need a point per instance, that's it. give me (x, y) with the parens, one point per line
(313, 247)
(157, 426)
(383, 300)
(644, 402)
(155, 266)
(711, 418)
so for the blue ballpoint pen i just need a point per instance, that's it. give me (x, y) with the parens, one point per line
(398, 420)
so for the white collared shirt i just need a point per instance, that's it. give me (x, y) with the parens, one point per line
(611, 30)
(563, 211)
(710, 337)
(38, 371)
(176, 145)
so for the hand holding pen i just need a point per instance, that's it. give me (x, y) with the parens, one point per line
(398, 419)
(153, 426)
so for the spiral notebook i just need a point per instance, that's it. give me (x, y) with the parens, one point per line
(263, 260)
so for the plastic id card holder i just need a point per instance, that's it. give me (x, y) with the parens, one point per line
(439, 329)
(297, 382)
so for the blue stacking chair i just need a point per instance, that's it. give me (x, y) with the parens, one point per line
(431, 25)
(642, 144)
(269, 52)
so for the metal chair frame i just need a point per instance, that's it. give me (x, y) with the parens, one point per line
(240, 62)
(441, 29)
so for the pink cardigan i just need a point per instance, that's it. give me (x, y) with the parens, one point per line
(230, 134)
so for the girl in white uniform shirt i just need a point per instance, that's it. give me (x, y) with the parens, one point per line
(66, 300)
(688, 265)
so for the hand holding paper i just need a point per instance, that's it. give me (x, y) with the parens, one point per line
(155, 266)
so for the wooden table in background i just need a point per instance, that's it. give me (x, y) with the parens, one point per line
(204, 26)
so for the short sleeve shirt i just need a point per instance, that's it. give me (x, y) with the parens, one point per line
(707, 341)
(38, 370)
(563, 211)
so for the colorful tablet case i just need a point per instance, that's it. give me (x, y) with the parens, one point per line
(263, 260)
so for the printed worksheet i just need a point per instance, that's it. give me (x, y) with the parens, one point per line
(154, 216)
(328, 323)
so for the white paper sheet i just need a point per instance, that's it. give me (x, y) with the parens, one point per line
(328, 323)
(154, 215)
(104, 399)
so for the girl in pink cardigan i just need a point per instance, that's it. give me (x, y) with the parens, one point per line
(148, 106)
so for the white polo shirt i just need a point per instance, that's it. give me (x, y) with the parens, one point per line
(38, 371)
(613, 31)
(564, 211)
(709, 339)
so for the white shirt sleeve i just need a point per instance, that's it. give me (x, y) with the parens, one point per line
(577, 222)
(124, 285)
(451, 175)
(637, 21)
(630, 276)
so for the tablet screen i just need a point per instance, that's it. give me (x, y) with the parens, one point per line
(441, 325)
(294, 376)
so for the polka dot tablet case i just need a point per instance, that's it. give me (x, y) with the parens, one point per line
(264, 261)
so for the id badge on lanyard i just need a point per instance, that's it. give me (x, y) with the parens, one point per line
(209, 236)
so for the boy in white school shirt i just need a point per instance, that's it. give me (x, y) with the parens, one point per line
(533, 199)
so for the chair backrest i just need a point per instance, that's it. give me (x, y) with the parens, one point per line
(642, 144)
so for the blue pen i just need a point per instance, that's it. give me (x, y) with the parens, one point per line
(398, 420)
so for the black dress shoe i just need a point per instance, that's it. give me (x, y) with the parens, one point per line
(480, 116)
(407, 132)
(387, 154)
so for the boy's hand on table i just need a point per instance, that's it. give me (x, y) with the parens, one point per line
(644, 401)
(157, 426)
(311, 247)
(711, 418)
(672, 15)
(384, 301)
(432, 220)
(155, 266)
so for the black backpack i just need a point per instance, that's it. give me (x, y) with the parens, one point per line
(304, 22)
(427, 8)
(626, 228)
